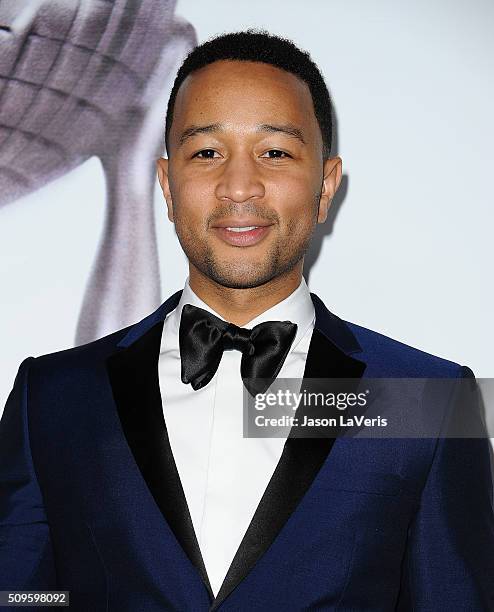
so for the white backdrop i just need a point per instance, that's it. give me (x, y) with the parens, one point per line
(409, 251)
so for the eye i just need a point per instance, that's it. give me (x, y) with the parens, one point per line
(275, 154)
(206, 154)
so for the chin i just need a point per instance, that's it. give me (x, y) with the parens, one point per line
(241, 281)
(240, 278)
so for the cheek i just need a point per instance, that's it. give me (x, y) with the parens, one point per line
(192, 205)
(295, 201)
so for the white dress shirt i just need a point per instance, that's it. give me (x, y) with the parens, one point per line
(223, 474)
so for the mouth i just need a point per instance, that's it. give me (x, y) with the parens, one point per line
(244, 235)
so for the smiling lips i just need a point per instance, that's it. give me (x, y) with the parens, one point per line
(241, 233)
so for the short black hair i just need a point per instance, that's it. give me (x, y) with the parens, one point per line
(260, 46)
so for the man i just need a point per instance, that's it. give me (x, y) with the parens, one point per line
(125, 477)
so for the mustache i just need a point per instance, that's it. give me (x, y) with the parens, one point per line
(246, 209)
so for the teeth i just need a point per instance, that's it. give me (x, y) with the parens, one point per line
(241, 229)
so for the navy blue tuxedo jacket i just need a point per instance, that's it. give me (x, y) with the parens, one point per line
(91, 501)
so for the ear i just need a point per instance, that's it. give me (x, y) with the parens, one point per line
(162, 170)
(331, 182)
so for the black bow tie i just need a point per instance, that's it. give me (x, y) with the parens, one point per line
(203, 337)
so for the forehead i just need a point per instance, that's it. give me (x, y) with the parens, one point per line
(243, 92)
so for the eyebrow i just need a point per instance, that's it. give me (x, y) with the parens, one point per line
(285, 128)
(194, 130)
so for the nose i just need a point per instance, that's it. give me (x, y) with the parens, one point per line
(239, 180)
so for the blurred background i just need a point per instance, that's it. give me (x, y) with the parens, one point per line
(86, 247)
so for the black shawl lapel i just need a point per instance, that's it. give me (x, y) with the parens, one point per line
(328, 357)
(133, 373)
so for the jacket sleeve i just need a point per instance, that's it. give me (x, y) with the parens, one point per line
(449, 562)
(26, 557)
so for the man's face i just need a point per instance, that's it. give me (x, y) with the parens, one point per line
(245, 150)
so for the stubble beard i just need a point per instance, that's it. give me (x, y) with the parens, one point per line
(280, 259)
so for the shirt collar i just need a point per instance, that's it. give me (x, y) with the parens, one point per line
(297, 308)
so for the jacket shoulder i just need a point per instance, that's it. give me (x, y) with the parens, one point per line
(101, 348)
(90, 353)
(393, 358)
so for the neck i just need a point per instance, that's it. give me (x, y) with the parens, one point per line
(239, 306)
